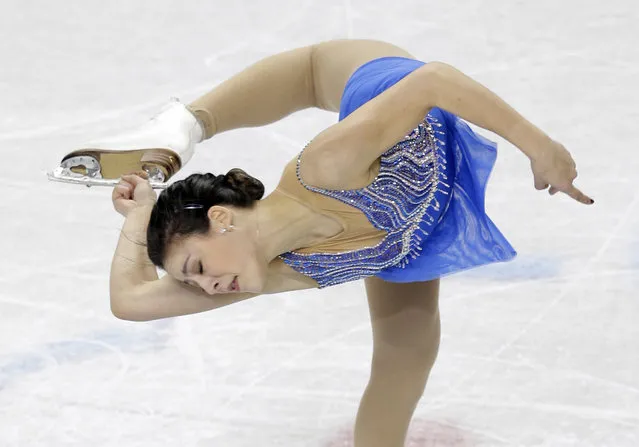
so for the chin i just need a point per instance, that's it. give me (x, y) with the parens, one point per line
(252, 281)
(251, 285)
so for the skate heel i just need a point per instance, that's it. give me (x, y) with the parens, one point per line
(160, 164)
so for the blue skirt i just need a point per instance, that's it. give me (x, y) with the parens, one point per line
(465, 237)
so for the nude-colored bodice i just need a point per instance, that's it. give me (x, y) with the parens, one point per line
(358, 231)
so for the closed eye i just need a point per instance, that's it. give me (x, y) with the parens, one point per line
(200, 270)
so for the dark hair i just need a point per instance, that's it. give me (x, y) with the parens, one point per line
(181, 209)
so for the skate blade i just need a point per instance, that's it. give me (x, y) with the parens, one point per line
(101, 167)
(160, 164)
(63, 175)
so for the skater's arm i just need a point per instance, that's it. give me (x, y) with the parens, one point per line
(168, 297)
(135, 290)
(137, 294)
(453, 91)
(263, 93)
(131, 264)
(350, 147)
(383, 121)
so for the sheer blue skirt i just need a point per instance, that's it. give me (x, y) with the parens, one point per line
(465, 237)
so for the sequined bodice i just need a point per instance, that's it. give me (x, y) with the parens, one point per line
(404, 200)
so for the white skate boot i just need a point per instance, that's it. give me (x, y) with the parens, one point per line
(160, 148)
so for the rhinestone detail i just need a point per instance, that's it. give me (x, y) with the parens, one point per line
(400, 201)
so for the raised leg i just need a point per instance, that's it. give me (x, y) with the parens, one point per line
(406, 335)
(264, 92)
(281, 84)
(335, 61)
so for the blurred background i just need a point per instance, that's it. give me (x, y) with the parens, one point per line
(542, 351)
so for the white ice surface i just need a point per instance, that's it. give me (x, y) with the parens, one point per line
(543, 351)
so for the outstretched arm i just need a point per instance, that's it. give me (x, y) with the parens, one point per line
(263, 93)
(382, 122)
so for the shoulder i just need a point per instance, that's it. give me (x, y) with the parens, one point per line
(333, 160)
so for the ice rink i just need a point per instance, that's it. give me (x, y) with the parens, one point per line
(542, 351)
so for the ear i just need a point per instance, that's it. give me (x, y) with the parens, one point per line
(220, 217)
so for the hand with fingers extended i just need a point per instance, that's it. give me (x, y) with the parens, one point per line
(553, 167)
(133, 191)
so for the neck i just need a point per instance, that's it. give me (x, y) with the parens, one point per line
(283, 224)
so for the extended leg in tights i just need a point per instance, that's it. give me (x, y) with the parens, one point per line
(406, 335)
(279, 85)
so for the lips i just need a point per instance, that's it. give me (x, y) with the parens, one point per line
(235, 285)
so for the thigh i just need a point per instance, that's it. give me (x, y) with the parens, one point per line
(335, 61)
(405, 320)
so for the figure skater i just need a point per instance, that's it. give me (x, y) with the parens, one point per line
(393, 194)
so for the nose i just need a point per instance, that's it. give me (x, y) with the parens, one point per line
(209, 285)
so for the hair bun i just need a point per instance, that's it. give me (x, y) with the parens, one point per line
(240, 181)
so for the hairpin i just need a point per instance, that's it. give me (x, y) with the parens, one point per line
(193, 206)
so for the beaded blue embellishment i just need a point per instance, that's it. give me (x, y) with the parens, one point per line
(399, 201)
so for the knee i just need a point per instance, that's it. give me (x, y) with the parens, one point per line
(410, 365)
(417, 339)
(410, 361)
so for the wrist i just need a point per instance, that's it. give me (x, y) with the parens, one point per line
(138, 217)
(528, 138)
(135, 225)
(143, 208)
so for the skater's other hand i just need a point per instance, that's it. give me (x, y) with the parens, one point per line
(554, 167)
(132, 192)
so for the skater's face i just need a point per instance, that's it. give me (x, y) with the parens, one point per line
(224, 260)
